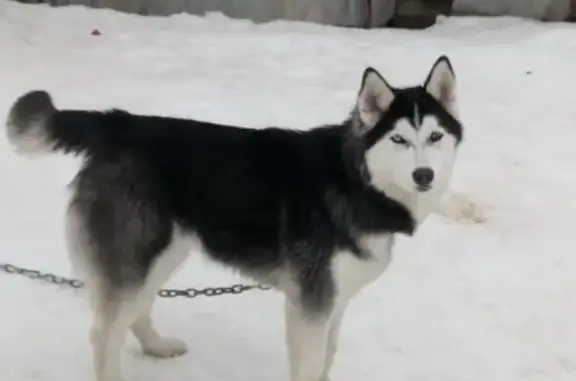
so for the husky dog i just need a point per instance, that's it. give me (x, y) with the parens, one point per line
(312, 213)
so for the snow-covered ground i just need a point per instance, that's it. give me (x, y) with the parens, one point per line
(491, 299)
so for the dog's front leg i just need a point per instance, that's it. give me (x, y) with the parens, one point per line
(307, 340)
(332, 346)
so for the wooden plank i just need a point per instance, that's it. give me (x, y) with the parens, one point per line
(419, 14)
(550, 10)
(163, 7)
(331, 12)
(129, 6)
(334, 12)
(572, 12)
(381, 12)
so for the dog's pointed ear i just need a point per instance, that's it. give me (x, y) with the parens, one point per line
(441, 84)
(374, 97)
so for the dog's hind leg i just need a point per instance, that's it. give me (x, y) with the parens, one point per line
(112, 313)
(152, 343)
(127, 246)
(113, 316)
(118, 311)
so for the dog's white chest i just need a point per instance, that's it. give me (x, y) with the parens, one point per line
(351, 273)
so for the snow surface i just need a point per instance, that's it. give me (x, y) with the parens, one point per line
(481, 295)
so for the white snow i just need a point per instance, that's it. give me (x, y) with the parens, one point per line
(487, 296)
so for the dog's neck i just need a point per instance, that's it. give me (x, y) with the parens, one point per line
(419, 204)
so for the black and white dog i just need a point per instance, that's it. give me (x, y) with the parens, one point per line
(312, 213)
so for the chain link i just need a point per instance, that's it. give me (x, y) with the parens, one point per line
(165, 293)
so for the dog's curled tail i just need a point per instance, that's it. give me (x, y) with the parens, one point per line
(29, 124)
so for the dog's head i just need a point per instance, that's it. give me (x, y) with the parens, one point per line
(410, 135)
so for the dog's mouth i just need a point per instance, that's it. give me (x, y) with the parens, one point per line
(423, 188)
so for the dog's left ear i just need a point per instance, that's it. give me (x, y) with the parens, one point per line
(441, 84)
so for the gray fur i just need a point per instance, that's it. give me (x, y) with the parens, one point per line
(26, 120)
(125, 232)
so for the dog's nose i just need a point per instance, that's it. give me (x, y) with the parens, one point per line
(423, 176)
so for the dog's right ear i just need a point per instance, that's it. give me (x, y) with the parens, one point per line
(374, 98)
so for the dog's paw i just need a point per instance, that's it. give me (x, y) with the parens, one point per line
(166, 347)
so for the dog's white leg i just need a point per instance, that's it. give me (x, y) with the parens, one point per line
(113, 317)
(290, 322)
(118, 311)
(113, 310)
(153, 344)
(307, 339)
(333, 337)
(151, 341)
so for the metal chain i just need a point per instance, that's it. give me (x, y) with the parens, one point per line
(165, 293)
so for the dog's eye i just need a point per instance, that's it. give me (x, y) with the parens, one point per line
(397, 139)
(435, 137)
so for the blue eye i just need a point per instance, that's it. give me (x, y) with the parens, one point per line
(397, 139)
(435, 137)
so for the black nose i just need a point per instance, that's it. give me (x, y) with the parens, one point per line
(423, 176)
